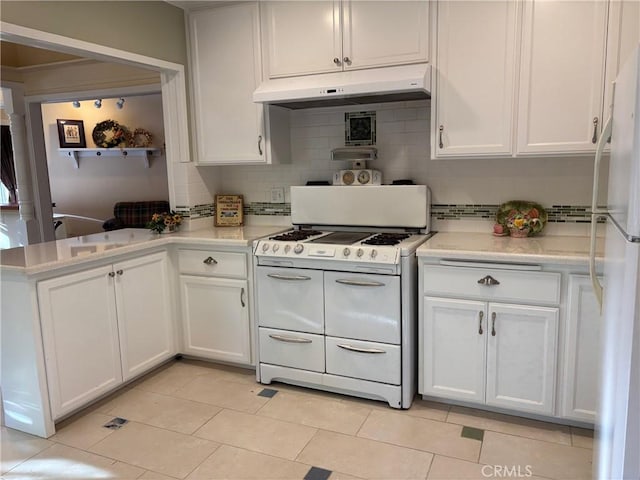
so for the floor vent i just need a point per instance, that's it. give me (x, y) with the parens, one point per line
(267, 392)
(116, 423)
(316, 473)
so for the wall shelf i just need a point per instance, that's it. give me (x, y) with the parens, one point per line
(76, 153)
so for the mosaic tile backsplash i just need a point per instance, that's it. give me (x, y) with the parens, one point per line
(556, 213)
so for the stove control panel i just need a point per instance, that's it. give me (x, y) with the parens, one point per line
(359, 253)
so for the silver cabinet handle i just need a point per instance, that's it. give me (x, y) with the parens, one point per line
(594, 139)
(361, 350)
(278, 276)
(119, 272)
(112, 274)
(210, 261)
(480, 317)
(287, 339)
(347, 60)
(359, 283)
(488, 280)
(242, 297)
(336, 60)
(260, 144)
(441, 129)
(493, 324)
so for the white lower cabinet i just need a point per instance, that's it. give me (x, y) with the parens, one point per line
(485, 348)
(521, 357)
(498, 354)
(103, 326)
(454, 336)
(143, 304)
(215, 299)
(216, 318)
(581, 352)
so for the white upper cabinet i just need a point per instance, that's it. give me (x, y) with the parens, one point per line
(475, 78)
(226, 68)
(623, 36)
(302, 37)
(379, 33)
(561, 77)
(309, 37)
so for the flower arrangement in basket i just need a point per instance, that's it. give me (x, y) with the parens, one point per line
(520, 219)
(109, 134)
(165, 220)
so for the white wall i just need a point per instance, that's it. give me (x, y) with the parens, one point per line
(403, 150)
(100, 182)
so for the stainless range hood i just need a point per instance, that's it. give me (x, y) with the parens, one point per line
(354, 87)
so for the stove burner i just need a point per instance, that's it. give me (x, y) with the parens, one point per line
(295, 235)
(386, 239)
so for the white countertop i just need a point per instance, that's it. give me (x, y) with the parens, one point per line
(565, 250)
(41, 257)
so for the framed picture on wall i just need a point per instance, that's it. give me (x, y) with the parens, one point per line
(71, 134)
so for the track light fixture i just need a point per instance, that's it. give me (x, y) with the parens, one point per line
(120, 103)
(76, 104)
(98, 103)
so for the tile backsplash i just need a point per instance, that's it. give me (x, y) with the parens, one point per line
(469, 188)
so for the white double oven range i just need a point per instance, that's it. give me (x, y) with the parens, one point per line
(337, 295)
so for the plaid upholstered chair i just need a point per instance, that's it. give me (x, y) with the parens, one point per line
(134, 214)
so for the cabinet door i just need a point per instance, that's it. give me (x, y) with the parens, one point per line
(215, 313)
(454, 340)
(521, 357)
(623, 36)
(377, 34)
(475, 78)
(144, 307)
(301, 37)
(80, 336)
(226, 67)
(581, 351)
(561, 79)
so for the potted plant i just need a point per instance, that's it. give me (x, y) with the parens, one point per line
(166, 220)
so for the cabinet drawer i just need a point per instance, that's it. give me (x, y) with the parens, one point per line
(378, 362)
(212, 263)
(513, 286)
(292, 349)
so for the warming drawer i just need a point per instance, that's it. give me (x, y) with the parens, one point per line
(292, 349)
(378, 362)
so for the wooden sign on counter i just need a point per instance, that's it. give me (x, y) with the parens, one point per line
(229, 210)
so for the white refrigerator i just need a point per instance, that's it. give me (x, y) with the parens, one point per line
(617, 453)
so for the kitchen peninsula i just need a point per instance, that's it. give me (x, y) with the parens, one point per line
(82, 316)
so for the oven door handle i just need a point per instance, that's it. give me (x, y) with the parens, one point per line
(359, 283)
(361, 350)
(285, 338)
(278, 276)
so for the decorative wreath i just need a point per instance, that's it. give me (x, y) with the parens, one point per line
(140, 138)
(110, 134)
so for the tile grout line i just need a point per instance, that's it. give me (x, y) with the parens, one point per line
(212, 454)
(29, 458)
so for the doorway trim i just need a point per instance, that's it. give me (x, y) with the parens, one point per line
(172, 86)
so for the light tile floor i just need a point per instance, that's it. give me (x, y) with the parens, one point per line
(199, 421)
